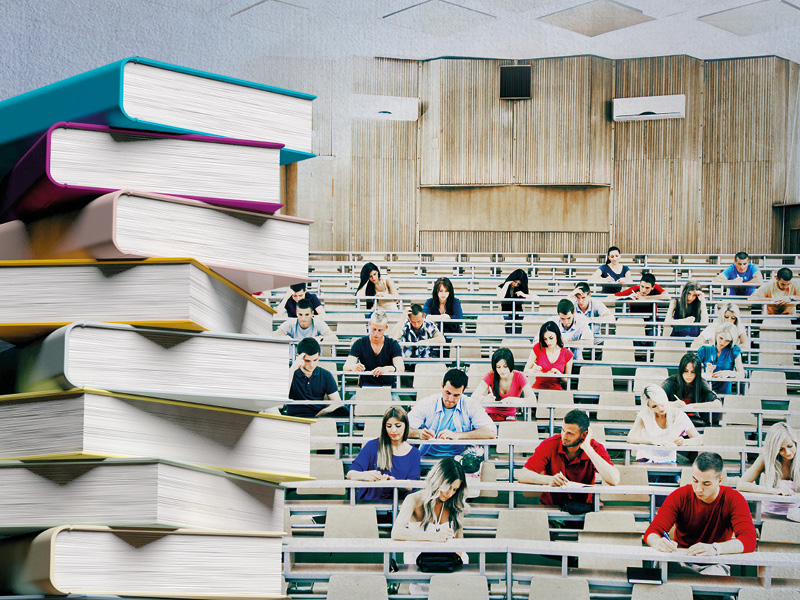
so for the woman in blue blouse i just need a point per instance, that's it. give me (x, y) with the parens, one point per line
(722, 360)
(612, 274)
(388, 457)
(443, 306)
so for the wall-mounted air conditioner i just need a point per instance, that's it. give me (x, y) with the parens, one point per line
(649, 108)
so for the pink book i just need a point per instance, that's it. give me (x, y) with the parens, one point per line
(74, 162)
(253, 250)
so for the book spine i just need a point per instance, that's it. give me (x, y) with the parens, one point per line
(43, 364)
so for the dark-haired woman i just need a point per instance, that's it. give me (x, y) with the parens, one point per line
(515, 289)
(388, 457)
(503, 382)
(687, 312)
(443, 306)
(372, 284)
(612, 274)
(688, 387)
(549, 356)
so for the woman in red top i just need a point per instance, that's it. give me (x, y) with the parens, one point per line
(501, 383)
(549, 356)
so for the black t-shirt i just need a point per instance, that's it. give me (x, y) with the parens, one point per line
(362, 350)
(316, 387)
(291, 305)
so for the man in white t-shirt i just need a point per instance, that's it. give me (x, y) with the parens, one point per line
(589, 307)
(306, 325)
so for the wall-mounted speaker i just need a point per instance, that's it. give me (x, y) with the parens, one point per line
(515, 82)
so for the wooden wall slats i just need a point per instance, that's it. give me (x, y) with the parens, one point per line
(513, 241)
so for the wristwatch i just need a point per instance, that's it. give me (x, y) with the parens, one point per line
(716, 548)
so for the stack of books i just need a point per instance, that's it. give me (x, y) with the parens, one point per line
(137, 220)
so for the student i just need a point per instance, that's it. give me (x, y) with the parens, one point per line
(727, 312)
(443, 306)
(612, 274)
(779, 469)
(706, 516)
(449, 416)
(723, 360)
(388, 457)
(741, 271)
(594, 310)
(414, 328)
(643, 297)
(306, 325)
(574, 328)
(371, 284)
(783, 290)
(310, 382)
(503, 382)
(688, 387)
(375, 354)
(687, 312)
(294, 294)
(550, 356)
(572, 456)
(514, 287)
(660, 427)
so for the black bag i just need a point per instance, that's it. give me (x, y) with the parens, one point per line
(575, 507)
(439, 562)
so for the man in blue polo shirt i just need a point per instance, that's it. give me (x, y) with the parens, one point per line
(311, 382)
(741, 271)
(449, 416)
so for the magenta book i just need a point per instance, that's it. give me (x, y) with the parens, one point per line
(73, 163)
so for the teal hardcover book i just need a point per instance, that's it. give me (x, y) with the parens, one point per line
(148, 95)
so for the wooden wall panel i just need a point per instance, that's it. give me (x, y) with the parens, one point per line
(656, 197)
(744, 154)
(473, 139)
(513, 241)
(382, 211)
(515, 208)
(563, 128)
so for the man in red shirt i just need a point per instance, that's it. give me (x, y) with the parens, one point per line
(706, 515)
(572, 456)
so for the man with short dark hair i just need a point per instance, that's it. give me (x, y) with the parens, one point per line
(783, 290)
(572, 456)
(294, 294)
(311, 382)
(574, 327)
(706, 516)
(741, 271)
(306, 325)
(375, 354)
(595, 311)
(647, 290)
(449, 416)
(415, 328)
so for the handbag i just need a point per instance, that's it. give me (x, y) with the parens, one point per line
(439, 562)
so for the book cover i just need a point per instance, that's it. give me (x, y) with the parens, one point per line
(42, 296)
(148, 95)
(239, 371)
(131, 492)
(93, 424)
(253, 250)
(177, 564)
(74, 162)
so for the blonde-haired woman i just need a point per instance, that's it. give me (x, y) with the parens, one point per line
(436, 512)
(722, 360)
(661, 426)
(779, 470)
(727, 312)
(389, 456)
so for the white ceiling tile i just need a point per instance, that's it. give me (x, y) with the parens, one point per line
(438, 17)
(756, 18)
(596, 18)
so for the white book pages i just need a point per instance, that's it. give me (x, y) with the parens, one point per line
(112, 426)
(99, 159)
(217, 107)
(213, 236)
(127, 292)
(134, 494)
(149, 563)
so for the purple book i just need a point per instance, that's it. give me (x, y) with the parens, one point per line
(75, 162)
